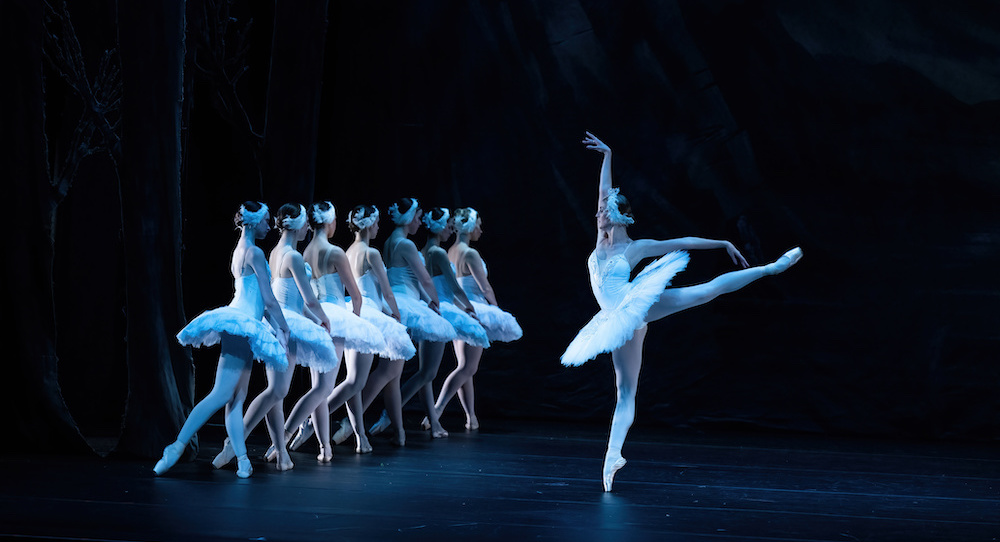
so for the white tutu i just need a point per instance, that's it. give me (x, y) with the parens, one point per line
(309, 345)
(397, 343)
(466, 327)
(500, 325)
(615, 324)
(208, 328)
(358, 333)
(421, 322)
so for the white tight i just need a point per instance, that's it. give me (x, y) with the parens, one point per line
(627, 360)
(230, 390)
(315, 399)
(460, 380)
(430, 361)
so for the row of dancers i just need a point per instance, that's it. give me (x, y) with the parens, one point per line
(290, 309)
(434, 296)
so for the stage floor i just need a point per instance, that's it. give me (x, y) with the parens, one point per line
(526, 480)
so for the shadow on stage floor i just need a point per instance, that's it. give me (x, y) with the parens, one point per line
(529, 480)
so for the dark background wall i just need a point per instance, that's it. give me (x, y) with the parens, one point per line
(862, 131)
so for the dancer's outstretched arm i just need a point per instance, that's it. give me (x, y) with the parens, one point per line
(378, 268)
(258, 263)
(650, 248)
(604, 186)
(478, 271)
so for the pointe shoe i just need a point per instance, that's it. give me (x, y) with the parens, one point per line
(441, 433)
(400, 440)
(425, 424)
(365, 448)
(382, 424)
(171, 454)
(271, 454)
(610, 470)
(243, 467)
(302, 435)
(343, 433)
(786, 260)
(325, 453)
(472, 425)
(225, 456)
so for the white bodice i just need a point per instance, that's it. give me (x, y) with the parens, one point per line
(246, 296)
(369, 288)
(329, 288)
(402, 280)
(609, 278)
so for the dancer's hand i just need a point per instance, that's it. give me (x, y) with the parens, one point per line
(592, 142)
(738, 258)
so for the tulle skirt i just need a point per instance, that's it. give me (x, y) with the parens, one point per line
(358, 333)
(500, 325)
(208, 328)
(466, 327)
(611, 328)
(421, 322)
(397, 343)
(309, 345)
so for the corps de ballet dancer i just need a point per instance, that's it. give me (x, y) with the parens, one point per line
(331, 274)
(373, 284)
(454, 306)
(500, 325)
(410, 282)
(244, 337)
(310, 344)
(627, 306)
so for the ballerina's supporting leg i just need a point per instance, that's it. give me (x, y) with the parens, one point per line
(323, 385)
(275, 420)
(430, 355)
(271, 398)
(468, 357)
(467, 397)
(358, 368)
(231, 378)
(627, 361)
(386, 377)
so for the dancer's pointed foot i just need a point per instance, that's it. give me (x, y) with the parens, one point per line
(171, 454)
(382, 424)
(439, 433)
(271, 454)
(786, 260)
(612, 464)
(243, 467)
(225, 456)
(284, 462)
(425, 424)
(325, 453)
(304, 432)
(472, 424)
(343, 432)
(363, 447)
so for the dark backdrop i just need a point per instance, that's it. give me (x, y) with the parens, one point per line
(862, 131)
